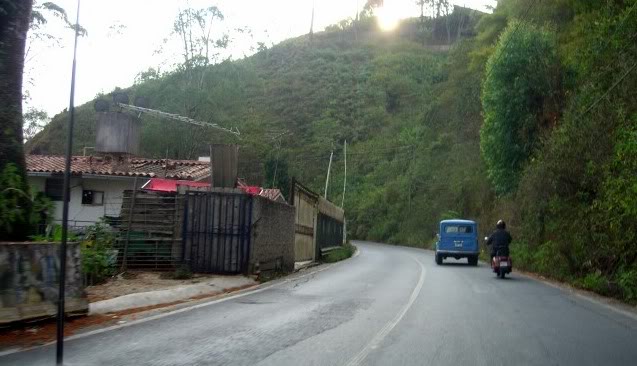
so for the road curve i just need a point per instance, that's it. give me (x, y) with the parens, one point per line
(387, 306)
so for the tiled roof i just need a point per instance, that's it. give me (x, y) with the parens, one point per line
(133, 167)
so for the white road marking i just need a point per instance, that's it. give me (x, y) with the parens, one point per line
(378, 338)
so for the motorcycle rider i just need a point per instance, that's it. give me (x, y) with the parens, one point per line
(500, 240)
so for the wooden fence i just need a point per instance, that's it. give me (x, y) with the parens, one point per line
(306, 205)
(319, 223)
(150, 235)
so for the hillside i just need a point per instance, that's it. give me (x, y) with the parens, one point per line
(530, 117)
(355, 84)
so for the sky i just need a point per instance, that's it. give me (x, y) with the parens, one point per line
(125, 35)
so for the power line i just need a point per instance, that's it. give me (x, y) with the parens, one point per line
(608, 91)
(325, 155)
(176, 117)
(357, 157)
(618, 81)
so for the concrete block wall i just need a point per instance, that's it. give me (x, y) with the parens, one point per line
(272, 243)
(29, 275)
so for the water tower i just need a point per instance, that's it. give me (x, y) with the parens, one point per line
(117, 133)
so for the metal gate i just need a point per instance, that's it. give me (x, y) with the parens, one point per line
(329, 232)
(217, 232)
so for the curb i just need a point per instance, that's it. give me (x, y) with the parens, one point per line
(159, 297)
(306, 266)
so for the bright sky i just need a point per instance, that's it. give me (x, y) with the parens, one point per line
(108, 58)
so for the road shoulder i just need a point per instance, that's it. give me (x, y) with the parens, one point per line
(25, 338)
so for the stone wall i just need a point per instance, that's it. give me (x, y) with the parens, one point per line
(29, 281)
(272, 246)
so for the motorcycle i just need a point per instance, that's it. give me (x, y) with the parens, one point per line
(501, 264)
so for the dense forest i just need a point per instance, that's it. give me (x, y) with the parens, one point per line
(527, 114)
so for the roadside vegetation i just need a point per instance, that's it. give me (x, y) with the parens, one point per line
(340, 253)
(530, 117)
(98, 256)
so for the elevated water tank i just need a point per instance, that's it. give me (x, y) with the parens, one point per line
(225, 162)
(117, 133)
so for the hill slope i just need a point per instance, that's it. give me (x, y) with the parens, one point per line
(536, 95)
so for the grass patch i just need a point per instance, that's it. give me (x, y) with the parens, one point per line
(339, 254)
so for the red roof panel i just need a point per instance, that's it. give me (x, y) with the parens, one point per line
(170, 185)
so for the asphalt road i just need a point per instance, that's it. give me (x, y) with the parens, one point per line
(387, 306)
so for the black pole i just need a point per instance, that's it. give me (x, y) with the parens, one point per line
(65, 212)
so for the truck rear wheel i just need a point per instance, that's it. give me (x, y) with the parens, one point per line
(473, 261)
(438, 259)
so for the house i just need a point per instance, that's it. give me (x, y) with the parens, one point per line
(98, 182)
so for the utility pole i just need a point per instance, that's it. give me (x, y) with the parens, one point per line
(411, 177)
(276, 164)
(356, 23)
(312, 22)
(59, 355)
(345, 175)
(212, 177)
(343, 198)
(329, 167)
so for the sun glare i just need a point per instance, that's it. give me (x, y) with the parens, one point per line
(388, 18)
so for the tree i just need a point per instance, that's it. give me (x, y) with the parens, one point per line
(34, 120)
(277, 174)
(194, 28)
(368, 8)
(39, 36)
(200, 36)
(40, 16)
(518, 96)
(15, 17)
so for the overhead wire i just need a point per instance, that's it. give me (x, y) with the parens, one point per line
(618, 81)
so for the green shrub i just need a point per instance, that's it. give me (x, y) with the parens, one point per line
(20, 211)
(594, 282)
(450, 215)
(522, 255)
(339, 254)
(548, 260)
(98, 257)
(627, 282)
(54, 234)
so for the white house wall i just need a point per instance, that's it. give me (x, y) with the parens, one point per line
(84, 215)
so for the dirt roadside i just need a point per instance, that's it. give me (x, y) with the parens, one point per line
(135, 282)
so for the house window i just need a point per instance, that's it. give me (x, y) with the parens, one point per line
(54, 188)
(90, 197)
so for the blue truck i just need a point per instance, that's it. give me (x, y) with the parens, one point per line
(458, 239)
